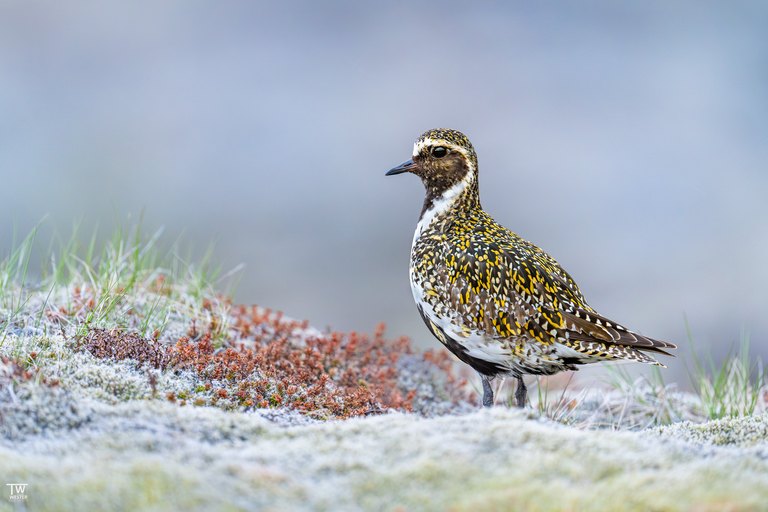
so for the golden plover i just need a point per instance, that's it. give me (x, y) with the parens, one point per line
(498, 302)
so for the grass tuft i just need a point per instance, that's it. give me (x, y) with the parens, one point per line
(733, 389)
(14, 294)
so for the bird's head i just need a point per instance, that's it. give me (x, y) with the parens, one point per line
(441, 158)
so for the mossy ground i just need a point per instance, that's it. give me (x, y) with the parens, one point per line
(156, 455)
(93, 433)
(128, 384)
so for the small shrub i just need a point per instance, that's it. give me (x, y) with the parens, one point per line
(331, 376)
(119, 345)
(268, 361)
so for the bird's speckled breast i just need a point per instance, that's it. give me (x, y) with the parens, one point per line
(452, 282)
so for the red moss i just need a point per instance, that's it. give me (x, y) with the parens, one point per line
(336, 375)
(119, 345)
(268, 363)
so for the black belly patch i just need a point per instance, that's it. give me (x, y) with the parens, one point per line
(479, 365)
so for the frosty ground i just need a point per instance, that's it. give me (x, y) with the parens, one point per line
(81, 453)
(105, 436)
(129, 383)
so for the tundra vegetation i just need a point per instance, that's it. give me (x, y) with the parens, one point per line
(129, 380)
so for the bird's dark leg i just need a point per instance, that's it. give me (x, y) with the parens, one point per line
(521, 393)
(487, 391)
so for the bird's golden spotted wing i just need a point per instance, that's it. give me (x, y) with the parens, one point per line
(524, 292)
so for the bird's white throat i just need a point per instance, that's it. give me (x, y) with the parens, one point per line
(443, 203)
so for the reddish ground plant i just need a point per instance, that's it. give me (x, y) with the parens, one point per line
(335, 375)
(270, 361)
(119, 345)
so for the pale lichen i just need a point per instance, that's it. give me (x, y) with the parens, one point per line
(155, 454)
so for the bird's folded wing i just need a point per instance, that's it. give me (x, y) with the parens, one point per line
(549, 290)
(589, 326)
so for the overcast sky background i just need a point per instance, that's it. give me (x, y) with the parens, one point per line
(628, 139)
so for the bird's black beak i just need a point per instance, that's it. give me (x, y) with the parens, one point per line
(406, 166)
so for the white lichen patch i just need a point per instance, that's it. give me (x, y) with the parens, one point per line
(748, 431)
(153, 454)
(106, 434)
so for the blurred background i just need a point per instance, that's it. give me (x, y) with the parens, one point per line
(630, 140)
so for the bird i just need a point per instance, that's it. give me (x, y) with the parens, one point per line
(498, 302)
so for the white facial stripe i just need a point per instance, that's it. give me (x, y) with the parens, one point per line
(421, 144)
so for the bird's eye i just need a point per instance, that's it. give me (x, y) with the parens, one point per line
(439, 152)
